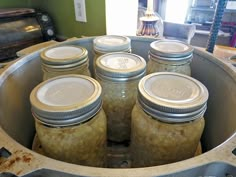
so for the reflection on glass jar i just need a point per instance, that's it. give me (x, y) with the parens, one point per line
(170, 56)
(119, 74)
(69, 119)
(63, 60)
(167, 120)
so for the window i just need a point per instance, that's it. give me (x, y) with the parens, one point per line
(176, 10)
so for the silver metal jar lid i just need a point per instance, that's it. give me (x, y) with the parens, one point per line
(66, 100)
(120, 66)
(170, 48)
(64, 55)
(111, 43)
(173, 60)
(172, 97)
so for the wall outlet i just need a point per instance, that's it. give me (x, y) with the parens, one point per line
(80, 10)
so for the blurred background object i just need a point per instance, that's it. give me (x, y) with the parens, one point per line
(199, 13)
(21, 28)
(168, 30)
(219, 11)
(150, 23)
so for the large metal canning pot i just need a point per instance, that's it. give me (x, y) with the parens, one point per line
(17, 125)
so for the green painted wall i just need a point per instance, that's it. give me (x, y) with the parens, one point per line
(62, 12)
(14, 3)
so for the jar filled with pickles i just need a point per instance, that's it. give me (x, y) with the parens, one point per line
(170, 56)
(119, 74)
(110, 43)
(69, 119)
(62, 60)
(167, 119)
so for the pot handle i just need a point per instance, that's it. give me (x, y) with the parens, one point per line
(6, 174)
(232, 57)
(230, 150)
(2, 67)
(232, 60)
(4, 154)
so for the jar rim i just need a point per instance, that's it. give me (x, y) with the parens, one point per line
(111, 43)
(55, 100)
(181, 59)
(68, 122)
(120, 66)
(65, 66)
(173, 117)
(100, 52)
(170, 48)
(80, 55)
(173, 95)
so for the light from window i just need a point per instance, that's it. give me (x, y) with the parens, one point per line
(176, 10)
(121, 17)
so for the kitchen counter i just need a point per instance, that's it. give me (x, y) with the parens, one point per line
(200, 38)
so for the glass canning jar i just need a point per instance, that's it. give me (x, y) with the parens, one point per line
(170, 56)
(69, 119)
(167, 120)
(64, 60)
(119, 74)
(110, 43)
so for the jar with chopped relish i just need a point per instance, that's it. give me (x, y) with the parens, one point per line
(62, 60)
(167, 120)
(110, 43)
(170, 56)
(69, 119)
(119, 74)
